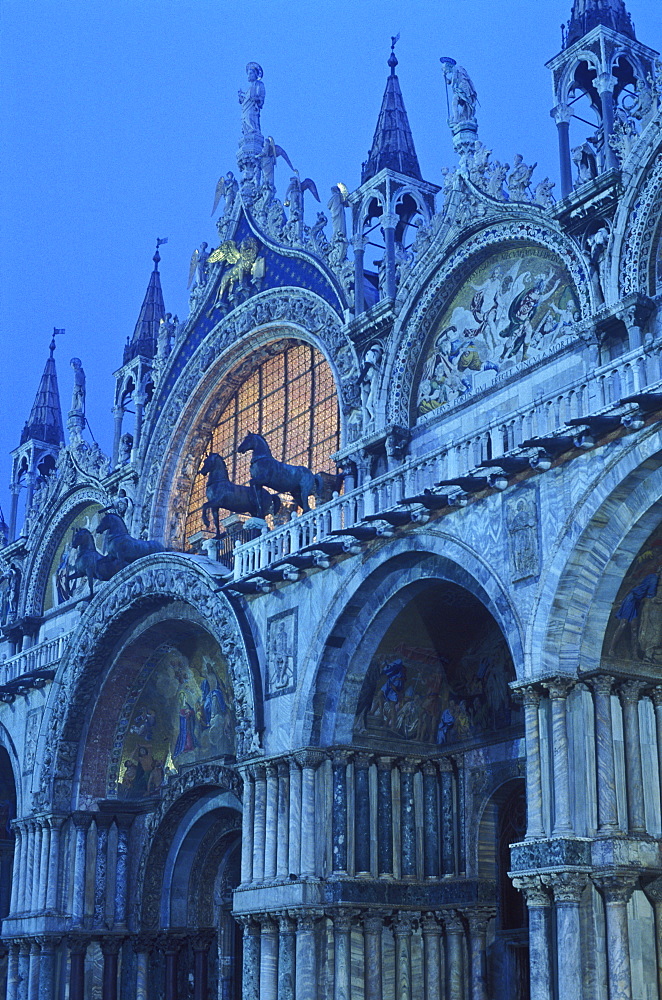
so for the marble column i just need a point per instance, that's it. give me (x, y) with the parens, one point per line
(36, 863)
(455, 956)
(362, 814)
(407, 770)
(431, 929)
(271, 822)
(55, 827)
(23, 968)
(339, 812)
(568, 888)
(358, 244)
(372, 956)
(389, 220)
(110, 948)
(171, 945)
(384, 817)
(460, 812)
(259, 821)
(122, 870)
(604, 754)
(539, 905)
(103, 823)
(268, 960)
(430, 821)
(294, 833)
(309, 761)
(656, 695)
(35, 957)
(248, 807)
(17, 873)
(250, 975)
(142, 947)
(634, 782)
(282, 839)
(561, 114)
(12, 970)
(447, 818)
(306, 958)
(44, 873)
(227, 956)
(478, 918)
(82, 822)
(534, 822)
(49, 946)
(286, 957)
(616, 889)
(77, 951)
(653, 892)
(200, 945)
(403, 925)
(558, 692)
(342, 955)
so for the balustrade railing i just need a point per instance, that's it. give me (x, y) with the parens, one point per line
(44, 654)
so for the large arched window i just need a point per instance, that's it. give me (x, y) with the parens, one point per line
(290, 399)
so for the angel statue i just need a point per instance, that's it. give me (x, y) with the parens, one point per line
(270, 151)
(198, 263)
(294, 196)
(337, 204)
(242, 260)
(227, 188)
(252, 100)
(465, 97)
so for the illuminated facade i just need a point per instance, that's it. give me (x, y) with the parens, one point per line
(407, 743)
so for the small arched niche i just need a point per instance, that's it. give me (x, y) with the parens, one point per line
(439, 674)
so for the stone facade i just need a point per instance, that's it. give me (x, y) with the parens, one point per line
(408, 743)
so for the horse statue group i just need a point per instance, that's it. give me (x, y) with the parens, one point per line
(121, 550)
(265, 470)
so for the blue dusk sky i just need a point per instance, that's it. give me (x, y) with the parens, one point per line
(118, 119)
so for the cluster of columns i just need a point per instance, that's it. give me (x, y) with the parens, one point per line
(602, 686)
(36, 867)
(281, 954)
(280, 816)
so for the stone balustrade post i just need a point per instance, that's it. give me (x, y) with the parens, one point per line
(342, 955)
(616, 888)
(259, 821)
(362, 814)
(539, 905)
(535, 828)
(250, 974)
(431, 929)
(306, 957)
(286, 956)
(447, 818)
(384, 817)
(339, 812)
(103, 822)
(283, 820)
(110, 948)
(372, 956)
(430, 821)
(629, 693)
(567, 888)
(271, 819)
(558, 692)
(294, 833)
(247, 816)
(478, 918)
(455, 955)
(403, 926)
(604, 754)
(268, 959)
(82, 822)
(407, 768)
(77, 951)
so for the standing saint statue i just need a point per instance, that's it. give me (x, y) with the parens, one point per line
(252, 100)
(465, 97)
(78, 395)
(337, 203)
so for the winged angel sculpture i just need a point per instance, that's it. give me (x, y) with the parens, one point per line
(242, 261)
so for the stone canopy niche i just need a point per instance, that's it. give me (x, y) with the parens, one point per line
(440, 674)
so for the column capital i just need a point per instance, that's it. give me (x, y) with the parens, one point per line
(341, 757)
(170, 942)
(653, 890)
(55, 821)
(403, 923)
(616, 887)
(384, 763)
(111, 944)
(343, 920)
(389, 220)
(373, 923)
(358, 243)
(429, 768)
(201, 940)
(309, 758)
(48, 942)
(561, 114)
(567, 886)
(602, 684)
(656, 695)
(286, 923)
(306, 921)
(271, 769)
(478, 917)
(103, 820)
(629, 692)
(248, 922)
(283, 768)
(430, 924)
(78, 943)
(409, 765)
(143, 943)
(453, 922)
(559, 687)
(535, 893)
(445, 765)
(82, 820)
(362, 761)
(258, 771)
(530, 694)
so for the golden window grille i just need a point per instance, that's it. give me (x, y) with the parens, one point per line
(290, 399)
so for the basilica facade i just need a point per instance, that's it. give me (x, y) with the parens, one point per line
(342, 676)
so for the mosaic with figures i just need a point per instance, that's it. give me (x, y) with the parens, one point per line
(178, 712)
(514, 307)
(634, 631)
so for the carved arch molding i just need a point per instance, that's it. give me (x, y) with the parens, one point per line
(146, 585)
(638, 251)
(443, 285)
(186, 417)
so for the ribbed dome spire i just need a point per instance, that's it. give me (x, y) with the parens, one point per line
(586, 14)
(151, 313)
(393, 143)
(45, 420)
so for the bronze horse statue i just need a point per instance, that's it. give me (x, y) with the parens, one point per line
(267, 471)
(222, 494)
(89, 561)
(120, 545)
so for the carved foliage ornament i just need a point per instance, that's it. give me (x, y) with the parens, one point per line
(638, 250)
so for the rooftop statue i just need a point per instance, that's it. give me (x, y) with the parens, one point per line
(252, 100)
(198, 263)
(268, 156)
(78, 394)
(227, 188)
(294, 196)
(519, 179)
(337, 205)
(464, 98)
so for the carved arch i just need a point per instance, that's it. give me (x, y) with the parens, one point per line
(639, 220)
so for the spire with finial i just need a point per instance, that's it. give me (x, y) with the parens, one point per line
(588, 14)
(45, 421)
(393, 143)
(152, 311)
